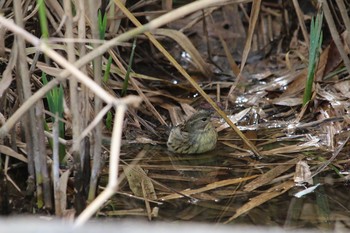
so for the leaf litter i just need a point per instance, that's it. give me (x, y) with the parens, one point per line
(254, 70)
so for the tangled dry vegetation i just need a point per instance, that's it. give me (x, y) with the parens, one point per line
(82, 79)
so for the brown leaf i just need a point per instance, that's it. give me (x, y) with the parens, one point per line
(8, 151)
(262, 198)
(187, 45)
(208, 187)
(7, 75)
(333, 60)
(302, 174)
(270, 175)
(298, 85)
(252, 23)
(62, 193)
(140, 184)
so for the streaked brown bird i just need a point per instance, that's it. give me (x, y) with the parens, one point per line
(197, 135)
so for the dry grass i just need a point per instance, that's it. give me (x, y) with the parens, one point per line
(248, 61)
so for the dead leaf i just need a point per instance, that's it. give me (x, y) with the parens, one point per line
(63, 190)
(187, 45)
(262, 198)
(288, 101)
(270, 175)
(302, 174)
(8, 151)
(139, 182)
(252, 23)
(208, 187)
(7, 75)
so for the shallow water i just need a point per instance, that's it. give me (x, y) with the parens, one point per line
(207, 188)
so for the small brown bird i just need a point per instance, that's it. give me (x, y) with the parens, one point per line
(196, 135)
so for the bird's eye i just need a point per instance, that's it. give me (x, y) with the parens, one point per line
(204, 119)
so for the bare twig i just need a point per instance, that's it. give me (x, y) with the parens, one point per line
(96, 144)
(113, 168)
(70, 68)
(301, 22)
(335, 154)
(335, 35)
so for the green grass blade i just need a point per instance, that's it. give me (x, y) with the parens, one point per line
(108, 70)
(316, 38)
(102, 24)
(55, 102)
(109, 120)
(42, 19)
(50, 94)
(127, 75)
